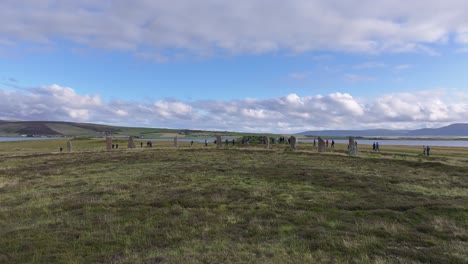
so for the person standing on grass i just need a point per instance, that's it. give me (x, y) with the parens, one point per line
(373, 146)
(424, 150)
(377, 146)
(333, 143)
(428, 149)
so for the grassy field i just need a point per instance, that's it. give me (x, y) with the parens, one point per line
(238, 204)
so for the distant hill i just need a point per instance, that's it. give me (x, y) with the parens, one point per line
(71, 129)
(454, 130)
(450, 130)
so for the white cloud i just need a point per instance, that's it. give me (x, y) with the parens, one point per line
(290, 113)
(402, 67)
(353, 78)
(298, 76)
(150, 29)
(370, 65)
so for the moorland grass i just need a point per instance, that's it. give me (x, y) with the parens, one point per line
(238, 204)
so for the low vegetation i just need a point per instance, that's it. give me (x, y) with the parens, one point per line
(239, 204)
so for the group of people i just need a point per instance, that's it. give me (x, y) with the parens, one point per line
(426, 150)
(149, 144)
(375, 146)
(326, 143)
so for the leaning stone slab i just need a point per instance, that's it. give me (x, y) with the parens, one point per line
(131, 142)
(293, 142)
(69, 146)
(352, 147)
(218, 141)
(321, 145)
(108, 143)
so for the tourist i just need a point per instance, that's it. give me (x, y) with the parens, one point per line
(116, 146)
(377, 146)
(373, 146)
(206, 143)
(424, 150)
(141, 144)
(333, 143)
(326, 143)
(428, 149)
(191, 143)
(61, 149)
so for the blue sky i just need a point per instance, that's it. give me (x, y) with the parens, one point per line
(276, 66)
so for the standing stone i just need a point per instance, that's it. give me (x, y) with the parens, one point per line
(352, 147)
(109, 145)
(218, 141)
(131, 142)
(321, 145)
(293, 142)
(267, 142)
(69, 146)
(176, 142)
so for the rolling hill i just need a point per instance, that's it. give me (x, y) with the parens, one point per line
(71, 129)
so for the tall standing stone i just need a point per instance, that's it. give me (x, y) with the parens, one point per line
(321, 145)
(352, 147)
(69, 146)
(218, 141)
(293, 142)
(267, 142)
(131, 142)
(108, 143)
(176, 142)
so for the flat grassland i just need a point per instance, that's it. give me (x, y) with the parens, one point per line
(238, 204)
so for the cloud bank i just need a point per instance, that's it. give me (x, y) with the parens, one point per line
(286, 114)
(156, 29)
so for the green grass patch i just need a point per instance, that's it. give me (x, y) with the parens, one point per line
(233, 205)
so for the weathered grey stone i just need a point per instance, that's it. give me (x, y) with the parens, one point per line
(69, 146)
(321, 145)
(267, 142)
(219, 141)
(108, 143)
(176, 142)
(293, 142)
(131, 142)
(352, 147)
